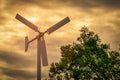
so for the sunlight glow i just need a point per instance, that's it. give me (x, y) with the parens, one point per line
(54, 18)
(59, 34)
(33, 19)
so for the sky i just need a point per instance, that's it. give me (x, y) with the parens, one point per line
(100, 16)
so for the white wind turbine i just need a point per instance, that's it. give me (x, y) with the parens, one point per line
(41, 47)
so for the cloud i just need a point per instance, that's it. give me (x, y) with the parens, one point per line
(25, 3)
(18, 74)
(16, 60)
(101, 16)
(87, 4)
(3, 20)
(18, 66)
(110, 4)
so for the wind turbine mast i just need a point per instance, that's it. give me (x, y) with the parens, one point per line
(41, 47)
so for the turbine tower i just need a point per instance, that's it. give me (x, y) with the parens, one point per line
(41, 47)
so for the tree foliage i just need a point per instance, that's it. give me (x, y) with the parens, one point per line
(86, 59)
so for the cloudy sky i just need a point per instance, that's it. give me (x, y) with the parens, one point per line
(100, 16)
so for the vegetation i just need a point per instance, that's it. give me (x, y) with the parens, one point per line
(87, 59)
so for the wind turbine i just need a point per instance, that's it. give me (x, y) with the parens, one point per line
(41, 47)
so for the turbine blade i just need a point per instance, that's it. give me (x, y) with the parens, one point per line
(58, 25)
(44, 52)
(26, 44)
(26, 22)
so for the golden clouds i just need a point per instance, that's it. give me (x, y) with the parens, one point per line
(101, 16)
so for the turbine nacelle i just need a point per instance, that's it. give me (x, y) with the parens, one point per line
(27, 42)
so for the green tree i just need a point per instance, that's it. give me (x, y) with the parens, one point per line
(87, 59)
